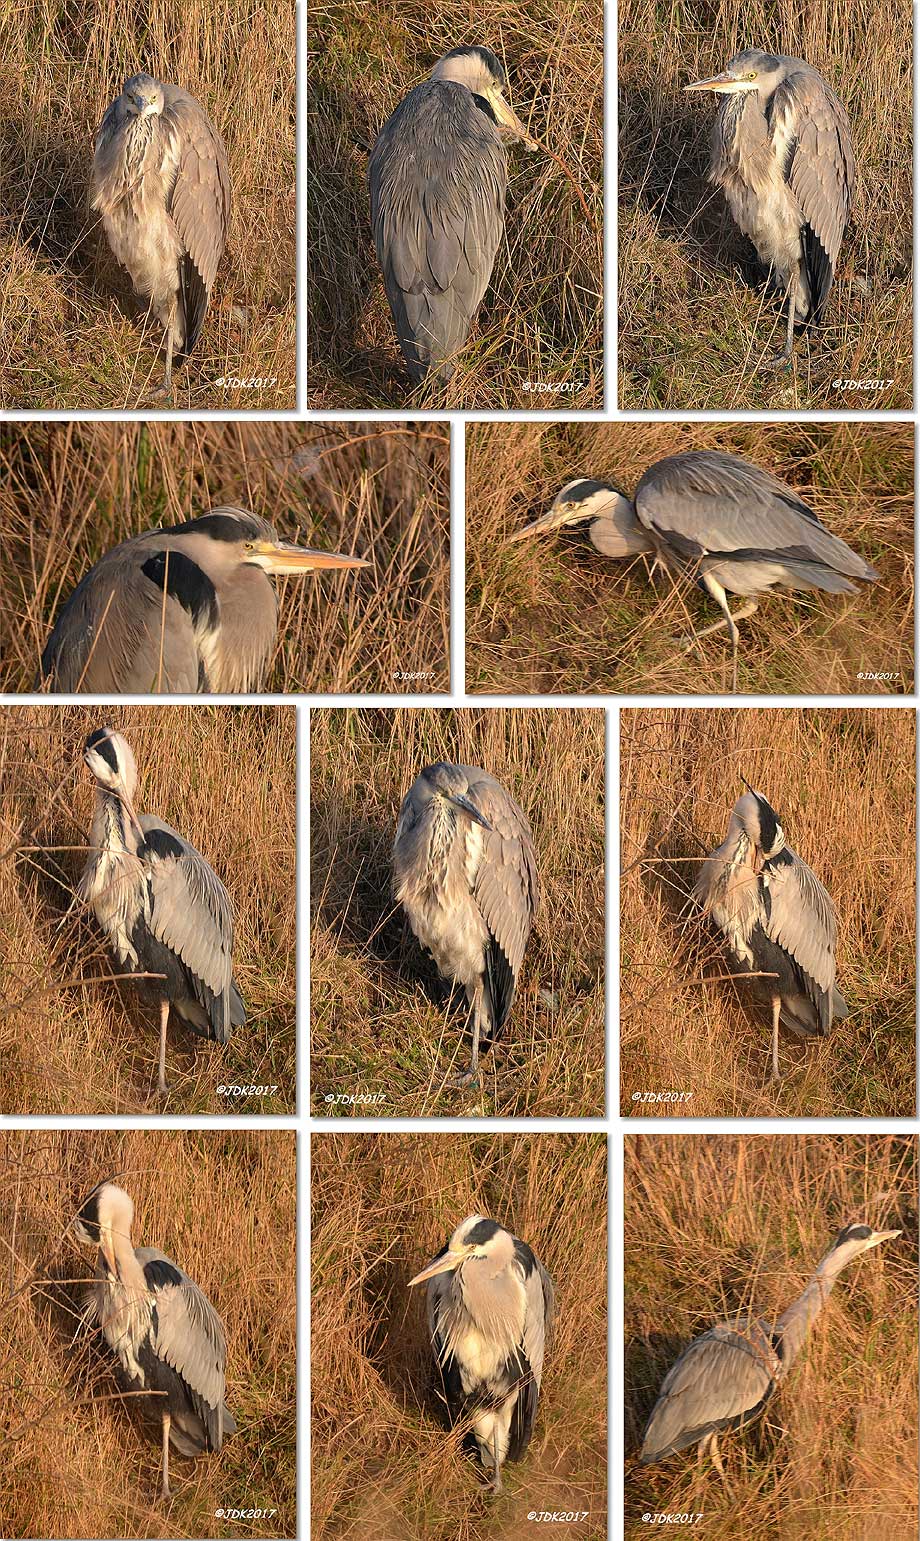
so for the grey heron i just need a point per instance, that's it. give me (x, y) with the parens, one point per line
(161, 906)
(189, 608)
(162, 186)
(438, 174)
(164, 1335)
(724, 1379)
(783, 156)
(717, 520)
(490, 1316)
(465, 872)
(777, 918)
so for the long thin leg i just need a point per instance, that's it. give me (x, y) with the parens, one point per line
(782, 360)
(716, 592)
(469, 1076)
(167, 379)
(497, 1473)
(164, 1018)
(777, 1007)
(164, 1491)
(716, 1458)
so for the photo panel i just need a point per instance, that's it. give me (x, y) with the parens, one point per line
(767, 912)
(148, 909)
(455, 206)
(152, 1276)
(425, 1246)
(601, 558)
(150, 202)
(159, 557)
(457, 877)
(758, 186)
(754, 1260)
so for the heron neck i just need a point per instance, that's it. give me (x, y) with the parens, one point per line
(797, 1320)
(113, 831)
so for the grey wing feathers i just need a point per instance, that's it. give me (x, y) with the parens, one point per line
(191, 913)
(721, 505)
(800, 918)
(199, 203)
(538, 1320)
(506, 886)
(437, 177)
(720, 1380)
(820, 170)
(189, 1336)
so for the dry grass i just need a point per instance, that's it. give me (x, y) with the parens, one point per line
(551, 615)
(542, 318)
(382, 1022)
(843, 785)
(69, 492)
(73, 336)
(72, 1041)
(694, 332)
(382, 1465)
(76, 1459)
(722, 1226)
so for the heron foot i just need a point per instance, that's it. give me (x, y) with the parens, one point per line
(467, 1078)
(779, 362)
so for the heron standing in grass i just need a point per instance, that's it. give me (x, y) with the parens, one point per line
(162, 907)
(438, 175)
(165, 1336)
(465, 872)
(162, 186)
(724, 1379)
(190, 608)
(782, 154)
(777, 918)
(490, 1317)
(717, 520)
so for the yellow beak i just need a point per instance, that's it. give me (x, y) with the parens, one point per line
(285, 557)
(443, 1264)
(508, 118)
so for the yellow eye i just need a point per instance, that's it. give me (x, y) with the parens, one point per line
(249, 545)
(751, 75)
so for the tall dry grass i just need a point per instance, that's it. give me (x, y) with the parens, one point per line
(77, 1460)
(552, 615)
(695, 325)
(383, 1466)
(71, 491)
(843, 785)
(72, 1040)
(73, 335)
(382, 1022)
(718, 1227)
(541, 321)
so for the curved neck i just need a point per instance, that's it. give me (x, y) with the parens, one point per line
(796, 1322)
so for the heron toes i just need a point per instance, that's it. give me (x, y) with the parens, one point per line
(779, 362)
(466, 1078)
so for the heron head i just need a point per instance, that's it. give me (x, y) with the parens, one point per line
(107, 1212)
(474, 1238)
(144, 96)
(108, 755)
(588, 502)
(482, 74)
(447, 785)
(753, 814)
(240, 538)
(852, 1242)
(752, 70)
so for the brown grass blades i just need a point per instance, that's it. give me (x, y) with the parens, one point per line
(383, 1467)
(73, 336)
(69, 492)
(71, 1040)
(383, 1025)
(541, 323)
(551, 614)
(694, 328)
(76, 1459)
(842, 783)
(722, 1226)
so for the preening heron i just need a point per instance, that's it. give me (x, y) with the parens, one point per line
(783, 156)
(164, 1334)
(777, 918)
(465, 872)
(490, 1316)
(162, 907)
(190, 608)
(718, 521)
(162, 185)
(725, 1378)
(438, 174)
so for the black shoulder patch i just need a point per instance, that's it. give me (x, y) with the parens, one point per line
(186, 583)
(159, 842)
(101, 741)
(159, 1273)
(482, 1233)
(783, 858)
(525, 1257)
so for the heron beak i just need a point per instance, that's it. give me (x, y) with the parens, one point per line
(284, 557)
(879, 1236)
(107, 1249)
(556, 516)
(443, 1264)
(508, 118)
(459, 801)
(725, 84)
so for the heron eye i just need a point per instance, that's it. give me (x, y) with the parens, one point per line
(751, 75)
(249, 545)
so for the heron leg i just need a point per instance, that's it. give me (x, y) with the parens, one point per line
(716, 1458)
(164, 1018)
(468, 1077)
(165, 1493)
(716, 592)
(784, 359)
(496, 1459)
(777, 1007)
